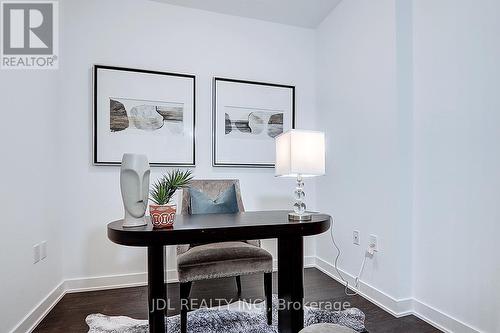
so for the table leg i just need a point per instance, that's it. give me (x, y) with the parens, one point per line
(291, 284)
(157, 293)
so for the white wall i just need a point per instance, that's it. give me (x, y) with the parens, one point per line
(366, 187)
(28, 192)
(457, 159)
(408, 95)
(151, 35)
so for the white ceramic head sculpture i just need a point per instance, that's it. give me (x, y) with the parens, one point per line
(134, 184)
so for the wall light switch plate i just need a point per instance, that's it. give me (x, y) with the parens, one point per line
(355, 237)
(43, 250)
(36, 253)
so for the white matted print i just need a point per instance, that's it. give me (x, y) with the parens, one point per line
(247, 116)
(147, 112)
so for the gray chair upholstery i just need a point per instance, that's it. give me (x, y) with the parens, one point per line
(225, 259)
(327, 328)
(211, 261)
(212, 188)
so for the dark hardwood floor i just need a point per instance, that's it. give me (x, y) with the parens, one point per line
(69, 314)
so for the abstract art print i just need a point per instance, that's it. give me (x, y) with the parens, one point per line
(258, 123)
(247, 117)
(140, 111)
(145, 116)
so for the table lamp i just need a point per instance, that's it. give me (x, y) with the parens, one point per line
(300, 154)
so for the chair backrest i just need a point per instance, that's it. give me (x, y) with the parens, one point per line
(212, 188)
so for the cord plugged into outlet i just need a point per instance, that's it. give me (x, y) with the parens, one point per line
(370, 252)
(373, 245)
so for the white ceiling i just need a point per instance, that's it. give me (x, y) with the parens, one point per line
(303, 13)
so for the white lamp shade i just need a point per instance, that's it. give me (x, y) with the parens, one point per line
(300, 152)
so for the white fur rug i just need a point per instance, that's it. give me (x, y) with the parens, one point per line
(233, 318)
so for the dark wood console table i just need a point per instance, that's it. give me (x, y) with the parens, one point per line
(229, 227)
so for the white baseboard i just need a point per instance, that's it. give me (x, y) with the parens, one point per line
(136, 279)
(76, 285)
(440, 320)
(105, 282)
(400, 307)
(396, 307)
(309, 261)
(32, 319)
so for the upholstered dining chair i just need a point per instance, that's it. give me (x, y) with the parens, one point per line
(216, 260)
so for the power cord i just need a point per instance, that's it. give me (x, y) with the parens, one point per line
(356, 280)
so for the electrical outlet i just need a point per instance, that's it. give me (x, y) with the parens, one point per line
(43, 250)
(355, 237)
(36, 253)
(373, 243)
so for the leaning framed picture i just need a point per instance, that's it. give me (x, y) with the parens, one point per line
(247, 116)
(143, 111)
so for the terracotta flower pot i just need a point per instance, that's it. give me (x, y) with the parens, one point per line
(162, 216)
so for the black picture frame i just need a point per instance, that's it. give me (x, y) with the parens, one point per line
(95, 72)
(215, 163)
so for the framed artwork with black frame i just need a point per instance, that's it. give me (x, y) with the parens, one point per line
(246, 118)
(143, 111)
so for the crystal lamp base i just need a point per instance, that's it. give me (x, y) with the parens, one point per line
(292, 216)
(299, 207)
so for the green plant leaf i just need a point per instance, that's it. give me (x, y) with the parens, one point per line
(163, 189)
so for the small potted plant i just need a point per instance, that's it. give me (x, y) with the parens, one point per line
(162, 212)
